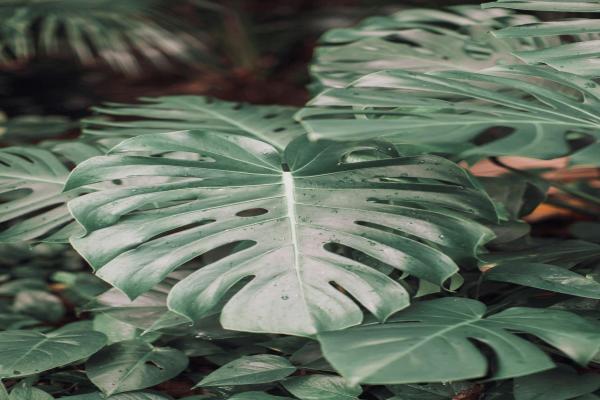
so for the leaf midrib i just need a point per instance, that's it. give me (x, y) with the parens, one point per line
(290, 199)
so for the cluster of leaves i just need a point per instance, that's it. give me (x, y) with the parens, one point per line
(117, 32)
(338, 251)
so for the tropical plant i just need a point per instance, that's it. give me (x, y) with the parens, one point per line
(347, 249)
(117, 32)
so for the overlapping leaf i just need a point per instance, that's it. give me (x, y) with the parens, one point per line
(571, 44)
(176, 113)
(518, 110)
(432, 341)
(291, 213)
(32, 201)
(418, 40)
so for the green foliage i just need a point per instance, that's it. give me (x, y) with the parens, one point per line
(114, 31)
(338, 255)
(423, 343)
(131, 365)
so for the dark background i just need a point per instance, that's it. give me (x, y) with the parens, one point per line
(257, 51)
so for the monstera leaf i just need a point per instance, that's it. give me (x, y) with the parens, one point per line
(500, 107)
(570, 44)
(426, 343)
(177, 113)
(114, 31)
(32, 201)
(299, 229)
(419, 40)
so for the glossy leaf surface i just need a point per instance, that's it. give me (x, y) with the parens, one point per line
(425, 343)
(414, 214)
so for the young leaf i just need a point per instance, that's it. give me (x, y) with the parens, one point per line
(250, 370)
(25, 353)
(430, 342)
(414, 214)
(133, 365)
(562, 383)
(545, 277)
(321, 387)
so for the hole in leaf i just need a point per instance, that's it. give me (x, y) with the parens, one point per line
(252, 212)
(492, 134)
(14, 195)
(181, 229)
(357, 255)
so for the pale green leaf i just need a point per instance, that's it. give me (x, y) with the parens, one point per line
(234, 189)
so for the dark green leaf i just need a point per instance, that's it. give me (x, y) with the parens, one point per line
(132, 365)
(24, 353)
(430, 342)
(562, 383)
(545, 277)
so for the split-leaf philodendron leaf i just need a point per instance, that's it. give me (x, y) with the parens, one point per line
(453, 111)
(426, 342)
(290, 211)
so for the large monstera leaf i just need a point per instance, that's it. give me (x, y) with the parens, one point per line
(32, 202)
(426, 343)
(300, 230)
(499, 111)
(422, 40)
